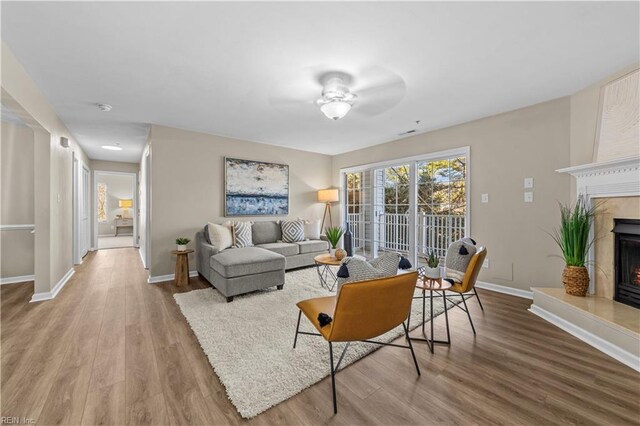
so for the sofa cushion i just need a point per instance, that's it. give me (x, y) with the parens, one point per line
(246, 261)
(285, 249)
(311, 246)
(292, 230)
(266, 232)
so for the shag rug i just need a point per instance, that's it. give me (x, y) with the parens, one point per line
(249, 342)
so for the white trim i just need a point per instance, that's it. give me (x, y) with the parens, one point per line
(20, 227)
(142, 258)
(602, 345)
(429, 156)
(504, 289)
(17, 279)
(48, 295)
(168, 277)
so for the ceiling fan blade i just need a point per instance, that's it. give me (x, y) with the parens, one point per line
(378, 91)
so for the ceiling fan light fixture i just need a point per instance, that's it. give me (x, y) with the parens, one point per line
(335, 109)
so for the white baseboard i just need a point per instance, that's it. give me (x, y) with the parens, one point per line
(48, 295)
(142, 258)
(504, 289)
(602, 345)
(17, 279)
(168, 277)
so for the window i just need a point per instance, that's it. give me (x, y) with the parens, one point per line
(412, 206)
(102, 202)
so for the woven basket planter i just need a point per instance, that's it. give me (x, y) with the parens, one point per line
(576, 280)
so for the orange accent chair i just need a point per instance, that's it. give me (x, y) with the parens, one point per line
(469, 281)
(361, 311)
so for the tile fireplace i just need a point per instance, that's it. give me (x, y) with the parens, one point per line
(627, 261)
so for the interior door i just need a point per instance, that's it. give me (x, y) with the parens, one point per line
(85, 228)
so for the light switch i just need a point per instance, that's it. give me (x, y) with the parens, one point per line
(528, 197)
(528, 183)
(485, 198)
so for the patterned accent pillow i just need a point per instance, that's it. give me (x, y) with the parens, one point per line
(459, 255)
(386, 265)
(292, 231)
(242, 234)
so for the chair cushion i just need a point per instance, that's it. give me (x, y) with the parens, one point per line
(285, 249)
(266, 232)
(246, 261)
(385, 265)
(292, 231)
(312, 246)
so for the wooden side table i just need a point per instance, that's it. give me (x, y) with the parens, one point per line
(432, 285)
(182, 267)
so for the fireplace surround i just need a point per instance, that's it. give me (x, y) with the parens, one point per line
(627, 261)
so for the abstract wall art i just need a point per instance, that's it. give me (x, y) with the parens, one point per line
(256, 188)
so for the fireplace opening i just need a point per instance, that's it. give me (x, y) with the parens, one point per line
(627, 261)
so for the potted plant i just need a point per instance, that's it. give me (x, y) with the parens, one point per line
(432, 270)
(572, 236)
(182, 243)
(333, 233)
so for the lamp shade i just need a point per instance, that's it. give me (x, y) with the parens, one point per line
(125, 204)
(328, 195)
(335, 110)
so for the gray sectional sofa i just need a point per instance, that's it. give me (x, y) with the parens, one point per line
(236, 271)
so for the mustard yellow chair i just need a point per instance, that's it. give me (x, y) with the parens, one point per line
(361, 311)
(469, 281)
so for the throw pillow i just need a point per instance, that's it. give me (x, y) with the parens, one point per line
(292, 231)
(220, 236)
(242, 234)
(459, 255)
(312, 229)
(386, 265)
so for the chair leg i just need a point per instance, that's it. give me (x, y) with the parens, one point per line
(333, 379)
(295, 340)
(415, 361)
(468, 314)
(478, 297)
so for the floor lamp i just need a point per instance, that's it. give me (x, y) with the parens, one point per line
(327, 196)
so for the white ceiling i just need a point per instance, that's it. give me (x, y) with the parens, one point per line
(212, 67)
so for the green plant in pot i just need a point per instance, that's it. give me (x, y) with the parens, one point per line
(333, 234)
(182, 243)
(432, 270)
(572, 236)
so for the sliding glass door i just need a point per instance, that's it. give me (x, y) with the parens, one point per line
(414, 206)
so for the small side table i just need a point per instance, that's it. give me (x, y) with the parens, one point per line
(432, 285)
(182, 267)
(327, 278)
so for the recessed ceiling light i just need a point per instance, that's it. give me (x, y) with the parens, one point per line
(104, 107)
(112, 147)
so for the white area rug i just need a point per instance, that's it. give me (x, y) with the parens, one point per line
(115, 242)
(249, 342)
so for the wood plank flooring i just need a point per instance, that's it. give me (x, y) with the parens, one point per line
(112, 349)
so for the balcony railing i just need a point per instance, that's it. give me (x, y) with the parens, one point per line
(392, 232)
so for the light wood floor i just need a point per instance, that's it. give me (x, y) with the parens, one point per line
(112, 349)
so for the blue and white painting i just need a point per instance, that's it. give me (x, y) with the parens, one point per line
(255, 188)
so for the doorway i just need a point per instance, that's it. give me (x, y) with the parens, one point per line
(115, 208)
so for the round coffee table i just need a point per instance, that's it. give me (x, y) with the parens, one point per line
(324, 262)
(432, 285)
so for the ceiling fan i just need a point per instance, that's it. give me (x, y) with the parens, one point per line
(367, 92)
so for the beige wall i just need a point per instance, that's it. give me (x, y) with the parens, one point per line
(52, 170)
(530, 142)
(16, 199)
(187, 187)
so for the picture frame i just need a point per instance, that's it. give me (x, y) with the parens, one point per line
(255, 188)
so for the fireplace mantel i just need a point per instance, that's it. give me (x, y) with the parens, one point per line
(614, 178)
